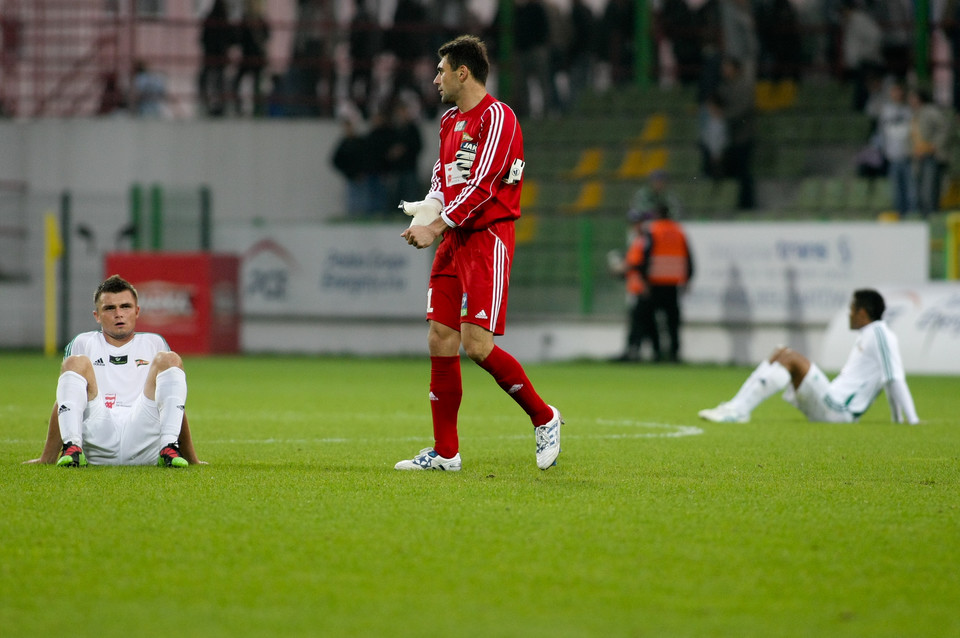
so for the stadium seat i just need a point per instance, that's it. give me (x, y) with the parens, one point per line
(833, 195)
(808, 196)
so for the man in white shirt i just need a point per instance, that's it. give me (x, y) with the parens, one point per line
(873, 365)
(120, 394)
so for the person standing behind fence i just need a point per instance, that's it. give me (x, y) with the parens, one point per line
(216, 37)
(253, 33)
(738, 93)
(669, 271)
(929, 132)
(633, 268)
(893, 127)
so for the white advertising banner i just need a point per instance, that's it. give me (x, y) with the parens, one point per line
(299, 271)
(926, 320)
(796, 273)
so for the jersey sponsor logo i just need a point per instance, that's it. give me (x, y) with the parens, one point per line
(142, 362)
(459, 126)
(481, 315)
(118, 361)
(110, 400)
(99, 362)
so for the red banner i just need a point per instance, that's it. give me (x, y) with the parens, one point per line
(191, 299)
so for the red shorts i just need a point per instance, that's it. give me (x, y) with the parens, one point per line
(470, 278)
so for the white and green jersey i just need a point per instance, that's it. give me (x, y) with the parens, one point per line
(121, 371)
(874, 364)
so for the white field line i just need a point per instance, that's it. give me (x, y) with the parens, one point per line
(630, 429)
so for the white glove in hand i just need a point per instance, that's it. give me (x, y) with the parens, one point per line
(465, 157)
(423, 212)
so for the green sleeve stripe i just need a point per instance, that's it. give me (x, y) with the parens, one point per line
(884, 348)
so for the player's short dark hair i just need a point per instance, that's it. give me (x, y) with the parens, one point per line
(871, 301)
(468, 51)
(114, 284)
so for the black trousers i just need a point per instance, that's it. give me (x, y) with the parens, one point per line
(666, 302)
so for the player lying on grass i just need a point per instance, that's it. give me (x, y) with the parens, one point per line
(121, 394)
(873, 365)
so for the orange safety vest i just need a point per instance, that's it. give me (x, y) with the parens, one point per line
(635, 255)
(669, 256)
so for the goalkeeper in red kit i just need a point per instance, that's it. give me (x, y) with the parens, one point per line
(471, 208)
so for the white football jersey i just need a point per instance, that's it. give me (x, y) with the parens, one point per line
(121, 371)
(874, 361)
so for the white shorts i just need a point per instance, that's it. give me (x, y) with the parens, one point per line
(811, 399)
(122, 436)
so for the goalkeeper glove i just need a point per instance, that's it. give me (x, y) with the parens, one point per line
(465, 157)
(423, 212)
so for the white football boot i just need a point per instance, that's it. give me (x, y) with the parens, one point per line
(548, 441)
(428, 459)
(724, 413)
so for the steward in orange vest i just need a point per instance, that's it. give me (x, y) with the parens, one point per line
(669, 265)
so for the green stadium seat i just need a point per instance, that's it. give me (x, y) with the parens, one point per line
(808, 196)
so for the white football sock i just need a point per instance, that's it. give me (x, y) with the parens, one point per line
(767, 380)
(171, 398)
(72, 401)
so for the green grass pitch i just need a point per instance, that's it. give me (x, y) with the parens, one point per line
(653, 523)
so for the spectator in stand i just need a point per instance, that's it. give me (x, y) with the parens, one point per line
(737, 92)
(408, 40)
(380, 139)
(615, 39)
(365, 43)
(352, 158)
(404, 154)
(216, 37)
(862, 50)
(678, 24)
(149, 91)
(531, 38)
(714, 137)
(582, 52)
(652, 195)
(253, 33)
(739, 36)
(707, 24)
(311, 76)
(893, 130)
(778, 28)
(112, 99)
(929, 134)
(895, 18)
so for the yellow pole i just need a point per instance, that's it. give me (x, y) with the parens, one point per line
(53, 249)
(953, 246)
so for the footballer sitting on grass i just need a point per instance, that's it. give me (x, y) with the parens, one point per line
(121, 394)
(873, 365)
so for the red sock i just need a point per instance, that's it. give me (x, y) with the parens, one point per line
(509, 375)
(446, 390)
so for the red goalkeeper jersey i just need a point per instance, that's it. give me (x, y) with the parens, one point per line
(491, 191)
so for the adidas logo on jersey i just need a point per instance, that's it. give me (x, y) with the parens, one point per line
(62, 409)
(481, 315)
(433, 397)
(516, 387)
(99, 362)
